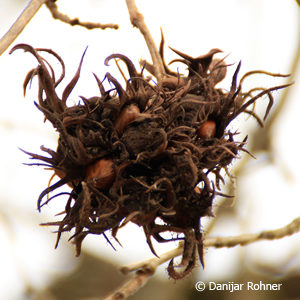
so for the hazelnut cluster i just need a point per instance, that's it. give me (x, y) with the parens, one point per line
(151, 154)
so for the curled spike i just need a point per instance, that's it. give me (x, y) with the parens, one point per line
(130, 66)
(46, 81)
(198, 64)
(251, 101)
(73, 82)
(120, 90)
(61, 77)
(179, 275)
(161, 53)
(28, 48)
(100, 85)
(234, 79)
(149, 242)
(39, 157)
(50, 189)
(28, 79)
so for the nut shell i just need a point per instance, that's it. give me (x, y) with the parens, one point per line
(101, 173)
(127, 115)
(207, 130)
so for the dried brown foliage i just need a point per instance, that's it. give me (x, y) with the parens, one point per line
(151, 154)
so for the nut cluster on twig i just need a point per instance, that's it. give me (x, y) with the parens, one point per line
(151, 154)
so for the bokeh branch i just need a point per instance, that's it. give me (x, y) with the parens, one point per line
(245, 239)
(217, 242)
(263, 137)
(145, 269)
(131, 287)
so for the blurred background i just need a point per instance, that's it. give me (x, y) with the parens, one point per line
(263, 34)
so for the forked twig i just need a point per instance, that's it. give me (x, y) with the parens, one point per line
(28, 13)
(56, 14)
(137, 20)
(145, 269)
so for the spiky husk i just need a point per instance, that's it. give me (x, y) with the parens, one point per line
(143, 153)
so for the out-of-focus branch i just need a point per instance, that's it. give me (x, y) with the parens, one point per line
(263, 138)
(147, 268)
(246, 239)
(150, 265)
(18, 26)
(284, 96)
(144, 271)
(56, 14)
(137, 20)
(217, 242)
(131, 286)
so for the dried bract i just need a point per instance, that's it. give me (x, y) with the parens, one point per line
(144, 153)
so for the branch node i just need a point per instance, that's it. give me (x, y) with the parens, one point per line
(56, 14)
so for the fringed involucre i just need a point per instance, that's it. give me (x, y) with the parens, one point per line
(144, 153)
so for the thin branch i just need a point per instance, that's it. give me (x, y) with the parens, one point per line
(246, 239)
(263, 137)
(145, 269)
(137, 20)
(56, 14)
(151, 264)
(18, 26)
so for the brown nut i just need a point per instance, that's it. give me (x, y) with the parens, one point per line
(197, 190)
(127, 115)
(207, 130)
(101, 173)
